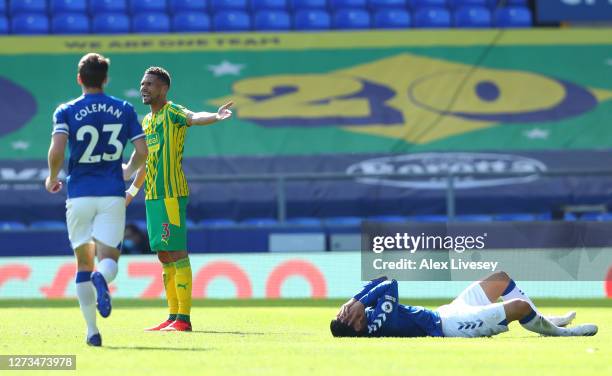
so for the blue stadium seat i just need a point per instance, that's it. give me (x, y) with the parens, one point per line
(304, 221)
(386, 4)
(144, 6)
(232, 21)
(4, 25)
(70, 23)
(514, 17)
(187, 22)
(454, 4)
(543, 217)
(429, 3)
(68, 6)
(28, 23)
(428, 218)
(111, 23)
(150, 23)
(11, 225)
(217, 222)
(342, 221)
(432, 18)
(392, 19)
(473, 218)
(225, 5)
(472, 17)
(311, 19)
(28, 6)
(140, 223)
(591, 217)
(272, 20)
(99, 6)
(260, 222)
(387, 218)
(308, 4)
(596, 217)
(336, 5)
(188, 5)
(515, 217)
(2, 6)
(605, 217)
(351, 19)
(48, 225)
(258, 5)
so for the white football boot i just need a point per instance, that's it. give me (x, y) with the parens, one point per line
(582, 330)
(564, 320)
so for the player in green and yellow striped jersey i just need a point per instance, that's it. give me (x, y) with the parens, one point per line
(166, 191)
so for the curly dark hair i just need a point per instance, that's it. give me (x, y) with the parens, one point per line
(340, 329)
(160, 73)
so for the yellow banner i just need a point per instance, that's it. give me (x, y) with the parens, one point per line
(16, 45)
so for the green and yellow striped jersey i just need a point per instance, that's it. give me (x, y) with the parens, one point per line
(165, 134)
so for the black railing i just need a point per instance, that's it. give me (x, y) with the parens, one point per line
(281, 180)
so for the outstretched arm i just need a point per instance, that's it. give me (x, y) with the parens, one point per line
(206, 118)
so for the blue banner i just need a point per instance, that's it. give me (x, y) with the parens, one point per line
(574, 10)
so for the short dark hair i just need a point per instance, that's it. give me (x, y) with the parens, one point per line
(340, 329)
(93, 69)
(160, 73)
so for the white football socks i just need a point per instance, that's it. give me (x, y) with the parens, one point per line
(513, 292)
(539, 324)
(87, 301)
(108, 268)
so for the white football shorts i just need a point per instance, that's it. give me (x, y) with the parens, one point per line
(472, 314)
(99, 218)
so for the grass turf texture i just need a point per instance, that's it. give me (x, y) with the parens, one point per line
(288, 337)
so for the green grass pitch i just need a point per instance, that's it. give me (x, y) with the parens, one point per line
(290, 337)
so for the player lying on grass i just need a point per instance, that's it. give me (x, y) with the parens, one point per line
(376, 312)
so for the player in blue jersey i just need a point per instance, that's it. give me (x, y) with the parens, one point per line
(96, 128)
(376, 312)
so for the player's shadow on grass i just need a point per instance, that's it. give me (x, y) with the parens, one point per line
(149, 348)
(227, 332)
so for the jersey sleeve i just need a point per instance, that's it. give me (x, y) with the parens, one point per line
(384, 298)
(369, 286)
(60, 121)
(384, 290)
(133, 125)
(178, 115)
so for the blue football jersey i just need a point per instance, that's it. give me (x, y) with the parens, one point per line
(387, 318)
(98, 128)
